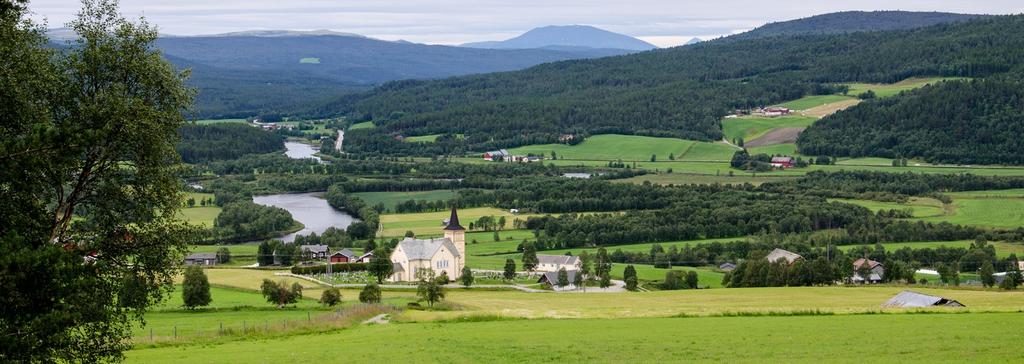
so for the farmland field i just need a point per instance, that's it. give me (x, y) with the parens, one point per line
(808, 102)
(430, 222)
(921, 207)
(886, 90)
(390, 199)
(363, 125)
(784, 149)
(752, 127)
(1003, 249)
(763, 339)
(612, 147)
(704, 151)
(218, 121)
(422, 138)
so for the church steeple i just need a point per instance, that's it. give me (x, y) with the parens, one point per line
(453, 222)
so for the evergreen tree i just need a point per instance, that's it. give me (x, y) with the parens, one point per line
(692, 281)
(986, 274)
(467, 277)
(530, 260)
(265, 254)
(195, 288)
(510, 269)
(629, 276)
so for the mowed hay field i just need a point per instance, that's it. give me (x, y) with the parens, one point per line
(999, 209)
(395, 225)
(390, 199)
(887, 90)
(751, 127)
(612, 147)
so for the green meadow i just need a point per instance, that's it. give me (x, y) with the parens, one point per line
(752, 127)
(921, 207)
(1003, 249)
(986, 208)
(363, 125)
(887, 90)
(980, 337)
(218, 121)
(390, 199)
(612, 147)
(808, 102)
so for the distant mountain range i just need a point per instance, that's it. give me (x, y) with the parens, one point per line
(572, 36)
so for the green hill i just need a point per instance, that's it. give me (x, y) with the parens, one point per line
(680, 92)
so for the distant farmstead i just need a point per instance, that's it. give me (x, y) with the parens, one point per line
(778, 254)
(201, 259)
(783, 162)
(496, 155)
(877, 271)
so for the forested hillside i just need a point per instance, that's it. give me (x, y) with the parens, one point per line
(203, 143)
(964, 122)
(679, 92)
(856, 21)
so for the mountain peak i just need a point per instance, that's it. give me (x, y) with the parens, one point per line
(568, 36)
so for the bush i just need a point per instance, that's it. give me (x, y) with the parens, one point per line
(370, 294)
(335, 267)
(195, 290)
(331, 297)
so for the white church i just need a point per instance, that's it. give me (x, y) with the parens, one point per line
(447, 254)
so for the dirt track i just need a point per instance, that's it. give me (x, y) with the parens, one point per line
(777, 136)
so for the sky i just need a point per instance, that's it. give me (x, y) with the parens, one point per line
(661, 22)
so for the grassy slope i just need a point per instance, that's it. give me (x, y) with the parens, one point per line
(887, 90)
(1003, 249)
(922, 207)
(611, 147)
(363, 125)
(390, 199)
(752, 127)
(808, 102)
(981, 337)
(422, 138)
(430, 222)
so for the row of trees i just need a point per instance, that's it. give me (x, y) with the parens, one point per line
(245, 221)
(201, 143)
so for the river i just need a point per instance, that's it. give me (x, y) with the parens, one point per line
(310, 210)
(296, 150)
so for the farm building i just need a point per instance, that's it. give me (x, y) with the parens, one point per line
(907, 299)
(775, 111)
(343, 256)
(442, 255)
(877, 271)
(783, 162)
(201, 259)
(777, 254)
(552, 263)
(728, 267)
(551, 279)
(318, 251)
(365, 258)
(496, 155)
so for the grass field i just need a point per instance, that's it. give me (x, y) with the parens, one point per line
(887, 90)
(390, 199)
(1000, 209)
(218, 121)
(684, 178)
(981, 337)
(704, 151)
(921, 207)
(1003, 249)
(422, 138)
(430, 222)
(808, 102)
(752, 127)
(612, 147)
(363, 125)
(784, 149)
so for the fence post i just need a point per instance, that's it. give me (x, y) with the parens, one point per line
(175, 331)
(150, 333)
(221, 332)
(244, 327)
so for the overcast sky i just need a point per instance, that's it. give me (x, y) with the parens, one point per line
(661, 22)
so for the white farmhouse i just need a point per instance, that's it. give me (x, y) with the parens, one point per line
(442, 255)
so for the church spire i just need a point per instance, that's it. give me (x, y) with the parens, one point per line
(453, 221)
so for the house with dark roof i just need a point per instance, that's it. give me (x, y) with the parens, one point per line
(497, 155)
(552, 263)
(783, 162)
(318, 251)
(343, 256)
(441, 255)
(876, 268)
(727, 267)
(778, 254)
(551, 279)
(909, 299)
(201, 259)
(365, 258)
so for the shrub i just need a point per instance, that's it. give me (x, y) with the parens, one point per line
(335, 267)
(195, 290)
(331, 297)
(370, 294)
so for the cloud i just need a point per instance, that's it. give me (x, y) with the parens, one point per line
(662, 22)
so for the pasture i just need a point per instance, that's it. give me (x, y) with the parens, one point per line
(391, 199)
(808, 102)
(609, 147)
(887, 90)
(1003, 249)
(219, 121)
(422, 138)
(752, 127)
(431, 222)
(920, 206)
(362, 125)
(981, 337)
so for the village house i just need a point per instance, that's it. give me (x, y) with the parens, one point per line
(318, 251)
(365, 258)
(551, 279)
(496, 155)
(775, 111)
(442, 255)
(777, 254)
(201, 259)
(566, 138)
(783, 162)
(727, 267)
(343, 256)
(877, 271)
(552, 263)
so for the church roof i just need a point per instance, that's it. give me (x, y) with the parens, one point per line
(453, 221)
(417, 249)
